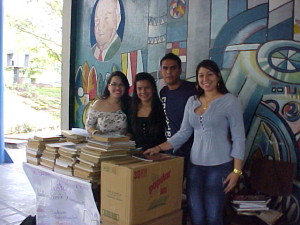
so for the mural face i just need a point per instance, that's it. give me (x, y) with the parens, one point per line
(255, 43)
(106, 20)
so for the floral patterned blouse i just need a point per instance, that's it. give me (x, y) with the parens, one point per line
(107, 122)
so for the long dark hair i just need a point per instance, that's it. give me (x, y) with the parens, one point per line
(212, 66)
(157, 112)
(125, 98)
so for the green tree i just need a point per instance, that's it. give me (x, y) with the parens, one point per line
(39, 33)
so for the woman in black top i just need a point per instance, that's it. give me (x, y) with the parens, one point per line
(147, 121)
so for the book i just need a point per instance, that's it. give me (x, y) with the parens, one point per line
(153, 158)
(251, 205)
(69, 148)
(89, 176)
(107, 148)
(47, 162)
(270, 216)
(67, 154)
(57, 145)
(70, 134)
(97, 159)
(250, 198)
(88, 163)
(100, 150)
(50, 155)
(36, 144)
(63, 170)
(65, 162)
(33, 152)
(86, 167)
(33, 160)
(130, 144)
(238, 209)
(71, 137)
(110, 138)
(47, 137)
(76, 141)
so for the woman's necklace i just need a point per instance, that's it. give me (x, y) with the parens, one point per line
(205, 106)
(207, 102)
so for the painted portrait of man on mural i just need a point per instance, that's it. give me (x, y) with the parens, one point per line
(105, 33)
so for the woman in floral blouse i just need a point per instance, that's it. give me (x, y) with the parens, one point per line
(108, 114)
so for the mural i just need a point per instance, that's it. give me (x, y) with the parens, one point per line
(106, 28)
(255, 42)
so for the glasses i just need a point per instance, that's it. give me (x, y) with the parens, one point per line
(116, 85)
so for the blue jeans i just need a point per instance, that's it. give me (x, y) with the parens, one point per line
(205, 192)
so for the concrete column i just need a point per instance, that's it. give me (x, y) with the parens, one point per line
(1, 85)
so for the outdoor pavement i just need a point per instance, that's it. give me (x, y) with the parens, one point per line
(17, 198)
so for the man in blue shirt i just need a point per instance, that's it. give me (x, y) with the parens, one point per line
(174, 97)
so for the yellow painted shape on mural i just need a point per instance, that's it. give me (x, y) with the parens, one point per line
(175, 51)
(85, 111)
(180, 10)
(114, 68)
(85, 76)
(296, 29)
(124, 62)
(251, 68)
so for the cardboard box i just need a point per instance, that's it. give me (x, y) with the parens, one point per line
(174, 218)
(137, 192)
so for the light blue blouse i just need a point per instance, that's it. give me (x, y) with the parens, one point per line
(211, 131)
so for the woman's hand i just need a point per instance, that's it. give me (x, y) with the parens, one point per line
(152, 151)
(161, 147)
(231, 181)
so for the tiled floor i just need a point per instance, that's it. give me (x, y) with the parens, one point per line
(17, 198)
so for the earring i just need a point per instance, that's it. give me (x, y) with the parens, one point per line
(218, 84)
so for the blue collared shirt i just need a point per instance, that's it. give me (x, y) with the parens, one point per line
(212, 145)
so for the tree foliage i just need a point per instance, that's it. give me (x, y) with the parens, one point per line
(39, 33)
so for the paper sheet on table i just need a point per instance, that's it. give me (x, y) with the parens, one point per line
(61, 199)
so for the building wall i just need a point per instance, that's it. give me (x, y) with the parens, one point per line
(255, 42)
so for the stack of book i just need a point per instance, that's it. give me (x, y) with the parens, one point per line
(98, 149)
(36, 145)
(71, 137)
(50, 154)
(67, 158)
(245, 203)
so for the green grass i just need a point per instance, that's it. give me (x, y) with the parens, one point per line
(53, 92)
(44, 98)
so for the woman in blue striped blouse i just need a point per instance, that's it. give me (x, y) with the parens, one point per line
(216, 118)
